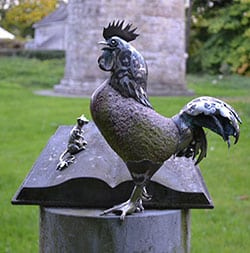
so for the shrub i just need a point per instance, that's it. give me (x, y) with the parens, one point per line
(220, 37)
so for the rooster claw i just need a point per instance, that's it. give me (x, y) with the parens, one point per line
(125, 208)
(134, 204)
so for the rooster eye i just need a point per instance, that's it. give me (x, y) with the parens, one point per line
(113, 43)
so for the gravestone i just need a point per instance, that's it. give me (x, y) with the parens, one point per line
(161, 25)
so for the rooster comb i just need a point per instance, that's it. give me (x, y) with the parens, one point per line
(116, 29)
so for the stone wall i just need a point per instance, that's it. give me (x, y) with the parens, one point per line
(161, 25)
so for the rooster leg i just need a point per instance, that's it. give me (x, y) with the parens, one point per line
(134, 204)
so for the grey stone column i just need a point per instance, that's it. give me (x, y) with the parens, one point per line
(161, 25)
(84, 230)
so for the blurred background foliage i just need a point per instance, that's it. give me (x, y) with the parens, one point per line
(18, 16)
(219, 37)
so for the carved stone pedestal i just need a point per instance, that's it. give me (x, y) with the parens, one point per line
(65, 230)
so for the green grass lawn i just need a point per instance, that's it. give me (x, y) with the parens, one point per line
(28, 121)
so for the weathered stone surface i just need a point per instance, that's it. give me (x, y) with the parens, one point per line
(161, 25)
(84, 230)
(99, 178)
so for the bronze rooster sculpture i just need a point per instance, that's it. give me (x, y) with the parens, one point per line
(143, 138)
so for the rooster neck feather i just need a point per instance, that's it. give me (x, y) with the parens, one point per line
(129, 77)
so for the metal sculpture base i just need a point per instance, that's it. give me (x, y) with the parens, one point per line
(84, 230)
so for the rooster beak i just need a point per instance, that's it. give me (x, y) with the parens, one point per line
(102, 43)
(105, 44)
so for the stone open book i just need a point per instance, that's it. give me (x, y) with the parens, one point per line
(98, 178)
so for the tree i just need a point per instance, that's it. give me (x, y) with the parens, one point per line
(20, 18)
(4, 6)
(220, 36)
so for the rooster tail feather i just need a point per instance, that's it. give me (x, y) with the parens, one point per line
(200, 147)
(210, 113)
(198, 143)
(212, 122)
(215, 115)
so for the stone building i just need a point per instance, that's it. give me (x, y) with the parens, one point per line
(161, 25)
(50, 31)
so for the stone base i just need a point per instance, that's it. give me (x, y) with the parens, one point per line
(84, 230)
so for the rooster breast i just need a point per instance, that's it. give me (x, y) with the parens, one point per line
(134, 131)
